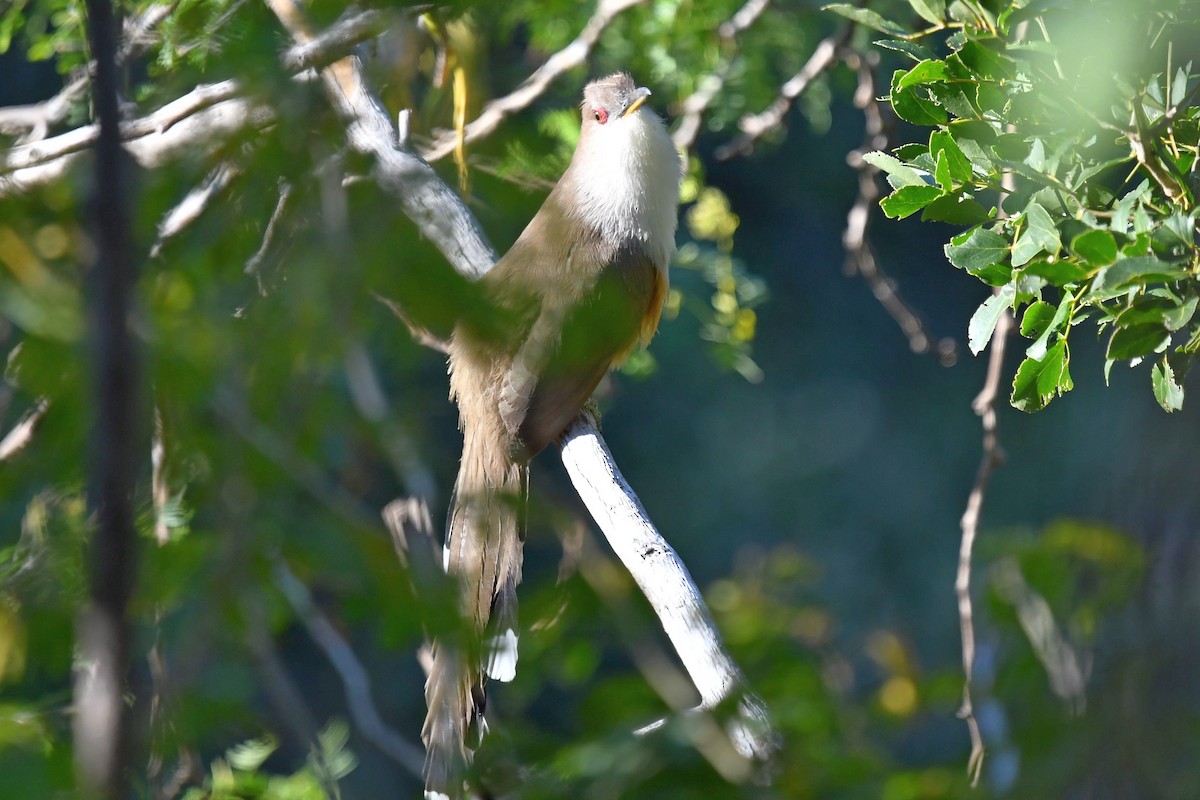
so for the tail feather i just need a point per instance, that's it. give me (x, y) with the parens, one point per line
(483, 551)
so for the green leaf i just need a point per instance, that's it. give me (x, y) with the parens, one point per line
(955, 209)
(983, 321)
(1167, 390)
(932, 11)
(1129, 272)
(1058, 272)
(1175, 319)
(1036, 160)
(899, 173)
(867, 17)
(951, 97)
(1037, 350)
(929, 71)
(987, 62)
(251, 754)
(1136, 341)
(1036, 319)
(1038, 382)
(941, 143)
(913, 105)
(1097, 247)
(1038, 234)
(1162, 311)
(980, 248)
(974, 149)
(908, 200)
(914, 50)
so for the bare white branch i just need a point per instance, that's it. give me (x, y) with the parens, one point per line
(663, 578)
(22, 433)
(34, 121)
(194, 203)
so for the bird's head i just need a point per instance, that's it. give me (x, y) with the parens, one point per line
(609, 102)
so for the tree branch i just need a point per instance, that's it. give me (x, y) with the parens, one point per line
(423, 197)
(755, 126)
(568, 58)
(709, 86)
(102, 724)
(860, 255)
(35, 121)
(21, 434)
(442, 216)
(985, 406)
(355, 681)
(199, 121)
(193, 205)
(665, 581)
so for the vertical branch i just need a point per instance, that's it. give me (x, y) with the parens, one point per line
(860, 255)
(993, 456)
(102, 722)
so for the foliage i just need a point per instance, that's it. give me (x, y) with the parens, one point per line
(290, 406)
(1093, 116)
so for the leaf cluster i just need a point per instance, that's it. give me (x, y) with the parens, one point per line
(1073, 176)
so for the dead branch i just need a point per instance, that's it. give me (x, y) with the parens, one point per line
(423, 197)
(254, 264)
(199, 122)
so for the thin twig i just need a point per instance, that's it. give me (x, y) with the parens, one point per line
(356, 683)
(22, 433)
(160, 487)
(709, 86)
(366, 391)
(420, 335)
(985, 406)
(193, 205)
(571, 56)
(755, 126)
(860, 255)
(254, 264)
(287, 698)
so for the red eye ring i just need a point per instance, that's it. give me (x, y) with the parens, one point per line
(601, 116)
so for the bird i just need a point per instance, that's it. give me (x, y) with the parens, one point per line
(581, 287)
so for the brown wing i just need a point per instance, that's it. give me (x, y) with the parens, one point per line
(568, 350)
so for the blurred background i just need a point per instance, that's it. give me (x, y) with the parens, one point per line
(808, 466)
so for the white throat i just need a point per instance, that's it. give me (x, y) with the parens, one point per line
(628, 186)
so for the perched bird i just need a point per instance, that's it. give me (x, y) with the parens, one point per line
(582, 285)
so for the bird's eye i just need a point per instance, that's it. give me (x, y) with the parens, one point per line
(601, 116)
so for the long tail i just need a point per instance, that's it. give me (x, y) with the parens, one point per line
(483, 550)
